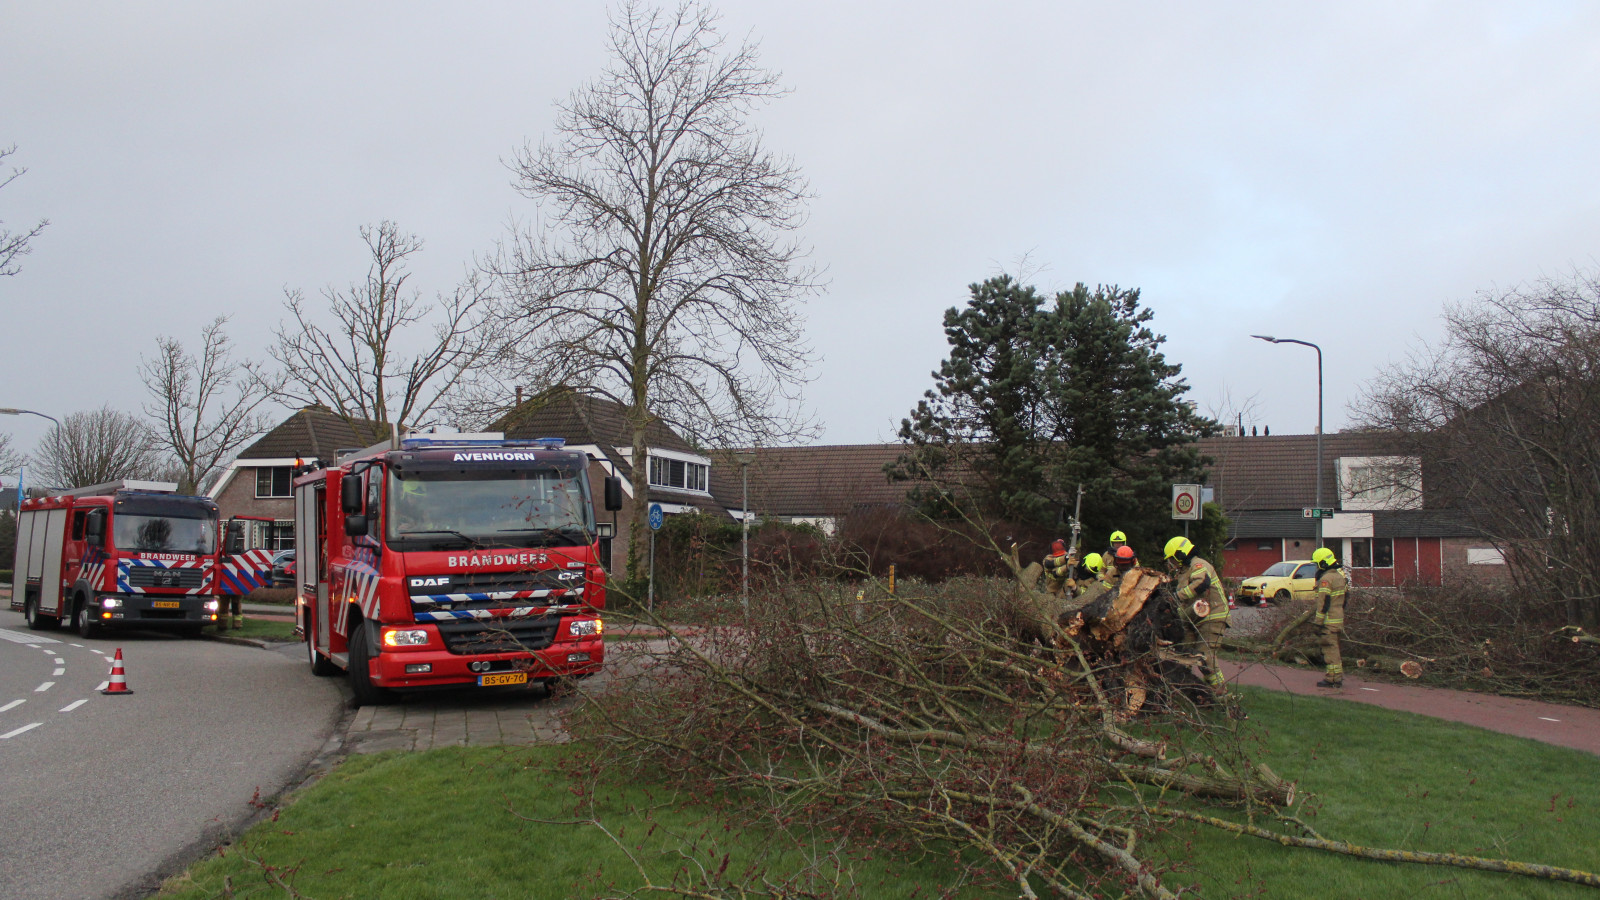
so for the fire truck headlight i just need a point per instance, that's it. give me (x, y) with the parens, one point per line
(585, 627)
(411, 638)
(109, 603)
(211, 606)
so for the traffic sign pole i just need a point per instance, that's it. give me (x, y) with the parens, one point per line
(657, 517)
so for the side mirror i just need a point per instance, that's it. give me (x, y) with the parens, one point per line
(95, 529)
(350, 499)
(355, 526)
(235, 542)
(613, 493)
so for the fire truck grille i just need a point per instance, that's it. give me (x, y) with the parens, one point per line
(498, 635)
(147, 576)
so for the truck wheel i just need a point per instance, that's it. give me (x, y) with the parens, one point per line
(366, 693)
(83, 620)
(37, 621)
(321, 666)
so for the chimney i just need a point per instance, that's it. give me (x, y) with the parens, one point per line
(519, 395)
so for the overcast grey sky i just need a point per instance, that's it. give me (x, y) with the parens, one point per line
(1332, 173)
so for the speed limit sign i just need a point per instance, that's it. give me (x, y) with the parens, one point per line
(1186, 501)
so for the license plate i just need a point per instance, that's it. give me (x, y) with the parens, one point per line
(166, 604)
(503, 678)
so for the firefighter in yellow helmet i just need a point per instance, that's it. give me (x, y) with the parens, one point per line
(1204, 603)
(1112, 561)
(1332, 585)
(1100, 580)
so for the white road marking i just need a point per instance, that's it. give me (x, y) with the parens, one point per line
(74, 705)
(75, 644)
(12, 705)
(111, 659)
(1548, 719)
(44, 687)
(14, 732)
(102, 685)
(32, 640)
(1374, 690)
(58, 673)
(59, 661)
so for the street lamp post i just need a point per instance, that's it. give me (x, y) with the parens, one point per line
(1278, 340)
(28, 412)
(744, 458)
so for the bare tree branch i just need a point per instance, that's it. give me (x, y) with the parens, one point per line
(94, 447)
(665, 277)
(358, 367)
(15, 244)
(206, 407)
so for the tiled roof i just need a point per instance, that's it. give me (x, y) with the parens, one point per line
(598, 422)
(314, 432)
(1279, 472)
(810, 481)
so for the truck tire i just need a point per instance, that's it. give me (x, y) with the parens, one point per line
(83, 619)
(37, 621)
(366, 693)
(321, 666)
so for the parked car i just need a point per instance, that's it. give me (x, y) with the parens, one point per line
(1280, 583)
(283, 569)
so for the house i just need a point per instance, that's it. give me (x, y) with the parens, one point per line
(1384, 526)
(680, 476)
(809, 485)
(257, 482)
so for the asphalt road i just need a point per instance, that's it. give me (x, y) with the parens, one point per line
(100, 794)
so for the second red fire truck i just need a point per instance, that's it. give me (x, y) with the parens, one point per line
(439, 561)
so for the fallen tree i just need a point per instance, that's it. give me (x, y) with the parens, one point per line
(952, 721)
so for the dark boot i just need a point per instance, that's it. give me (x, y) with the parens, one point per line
(1330, 684)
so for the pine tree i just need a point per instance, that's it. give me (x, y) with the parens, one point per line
(1038, 397)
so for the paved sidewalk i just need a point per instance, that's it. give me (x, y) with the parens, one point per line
(464, 718)
(1565, 726)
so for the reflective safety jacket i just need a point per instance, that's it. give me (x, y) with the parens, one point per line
(1332, 585)
(1201, 580)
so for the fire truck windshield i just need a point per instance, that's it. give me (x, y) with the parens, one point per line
(490, 507)
(132, 533)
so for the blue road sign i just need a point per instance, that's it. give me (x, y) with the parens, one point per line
(656, 517)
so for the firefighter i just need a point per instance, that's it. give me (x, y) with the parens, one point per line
(1122, 560)
(1332, 583)
(1100, 579)
(1205, 606)
(1058, 570)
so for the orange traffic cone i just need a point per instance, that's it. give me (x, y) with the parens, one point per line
(119, 681)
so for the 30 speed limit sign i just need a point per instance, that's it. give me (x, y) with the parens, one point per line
(1186, 501)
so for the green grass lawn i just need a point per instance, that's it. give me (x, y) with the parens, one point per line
(437, 825)
(1395, 780)
(263, 630)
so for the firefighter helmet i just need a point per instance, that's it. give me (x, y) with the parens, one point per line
(1118, 537)
(1094, 563)
(1179, 549)
(1324, 558)
(1125, 554)
(1058, 548)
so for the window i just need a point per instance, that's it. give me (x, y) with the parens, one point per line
(274, 481)
(78, 518)
(1309, 570)
(1372, 553)
(280, 535)
(1266, 545)
(677, 473)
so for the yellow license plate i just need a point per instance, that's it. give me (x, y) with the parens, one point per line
(503, 678)
(166, 604)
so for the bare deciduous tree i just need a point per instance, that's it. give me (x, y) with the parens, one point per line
(96, 446)
(14, 244)
(1505, 415)
(10, 458)
(664, 275)
(207, 406)
(359, 367)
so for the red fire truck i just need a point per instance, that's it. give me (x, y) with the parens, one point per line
(125, 553)
(436, 561)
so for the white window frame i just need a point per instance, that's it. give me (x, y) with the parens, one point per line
(688, 459)
(261, 496)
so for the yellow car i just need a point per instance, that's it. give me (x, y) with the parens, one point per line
(1281, 582)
